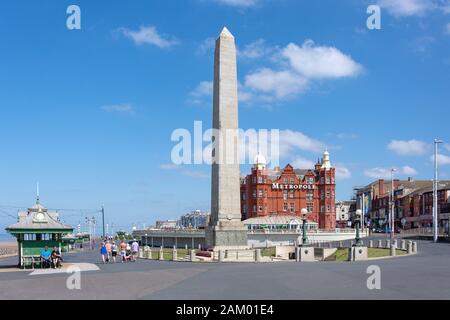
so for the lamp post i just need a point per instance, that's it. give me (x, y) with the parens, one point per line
(304, 216)
(357, 225)
(435, 195)
(392, 209)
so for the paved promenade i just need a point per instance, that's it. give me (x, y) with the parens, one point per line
(423, 276)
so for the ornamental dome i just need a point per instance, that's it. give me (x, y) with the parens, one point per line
(260, 162)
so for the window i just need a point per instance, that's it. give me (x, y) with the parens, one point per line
(29, 237)
(310, 180)
(292, 180)
(309, 195)
(285, 180)
(292, 207)
(285, 206)
(254, 179)
(254, 208)
(328, 180)
(310, 209)
(328, 194)
(244, 208)
(322, 180)
(292, 194)
(285, 196)
(322, 195)
(322, 208)
(260, 179)
(244, 196)
(260, 193)
(254, 193)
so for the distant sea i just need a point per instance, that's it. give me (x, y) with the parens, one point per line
(6, 237)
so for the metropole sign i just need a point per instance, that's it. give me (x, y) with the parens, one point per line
(279, 186)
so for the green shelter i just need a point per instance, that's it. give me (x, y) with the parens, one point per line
(36, 229)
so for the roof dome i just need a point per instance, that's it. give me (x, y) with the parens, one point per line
(260, 161)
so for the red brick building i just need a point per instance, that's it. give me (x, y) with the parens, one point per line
(413, 203)
(269, 192)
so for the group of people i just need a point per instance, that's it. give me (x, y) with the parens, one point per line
(109, 251)
(51, 259)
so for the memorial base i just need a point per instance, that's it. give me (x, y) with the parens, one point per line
(221, 237)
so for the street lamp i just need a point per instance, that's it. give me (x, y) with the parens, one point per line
(304, 216)
(146, 239)
(435, 195)
(357, 225)
(392, 209)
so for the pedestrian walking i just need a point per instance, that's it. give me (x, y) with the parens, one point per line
(135, 250)
(123, 251)
(114, 252)
(109, 250)
(104, 252)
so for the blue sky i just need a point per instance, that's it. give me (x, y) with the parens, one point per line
(89, 113)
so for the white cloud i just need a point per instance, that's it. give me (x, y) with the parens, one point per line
(408, 148)
(385, 173)
(239, 3)
(119, 108)
(149, 35)
(295, 140)
(296, 67)
(408, 171)
(320, 62)
(302, 163)
(205, 88)
(405, 8)
(202, 94)
(442, 159)
(279, 84)
(254, 50)
(343, 173)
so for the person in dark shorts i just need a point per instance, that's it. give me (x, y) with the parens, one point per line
(114, 250)
(56, 258)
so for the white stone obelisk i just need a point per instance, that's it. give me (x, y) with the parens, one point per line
(226, 228)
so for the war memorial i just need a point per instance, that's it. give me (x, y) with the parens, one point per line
(270, 233)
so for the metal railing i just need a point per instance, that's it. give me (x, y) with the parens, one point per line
(299, 231)
(424, 231)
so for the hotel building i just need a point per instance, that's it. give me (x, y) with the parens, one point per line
(285, 192)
